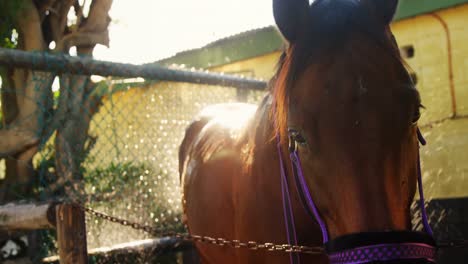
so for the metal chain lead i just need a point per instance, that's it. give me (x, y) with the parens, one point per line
(252, 245)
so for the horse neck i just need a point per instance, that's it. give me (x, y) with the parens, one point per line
(256, 144)
(264, 173)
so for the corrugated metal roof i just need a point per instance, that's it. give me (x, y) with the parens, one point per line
(410, 8)
(233, 48)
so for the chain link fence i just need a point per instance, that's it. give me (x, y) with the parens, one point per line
(134, 161)
(128, 158)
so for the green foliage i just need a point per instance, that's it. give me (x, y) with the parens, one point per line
(107, 188)
(115, 177)
(48, 241)
(122, 188)
(8, 12)
(8, 34)
(127, 183)
(8, 42)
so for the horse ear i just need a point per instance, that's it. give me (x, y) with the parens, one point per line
(386, 9)
(290, 16)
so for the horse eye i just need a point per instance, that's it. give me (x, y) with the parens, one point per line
(300, 139)
(297, 137)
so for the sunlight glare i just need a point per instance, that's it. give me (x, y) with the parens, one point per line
(145, 31)
(233, 115)
(56, 85)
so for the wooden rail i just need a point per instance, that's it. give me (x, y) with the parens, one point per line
(27, 216)
(155, 246)
(67, 219)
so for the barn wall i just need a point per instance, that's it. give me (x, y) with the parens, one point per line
(445, 157)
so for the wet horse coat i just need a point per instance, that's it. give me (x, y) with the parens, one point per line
(340, 83)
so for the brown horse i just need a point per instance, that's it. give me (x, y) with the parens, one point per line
(342, 87)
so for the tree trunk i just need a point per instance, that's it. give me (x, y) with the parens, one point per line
(27, 100)
(26, 96)
(9, 112)
(71, 137)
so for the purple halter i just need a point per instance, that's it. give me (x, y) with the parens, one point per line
(370, 248)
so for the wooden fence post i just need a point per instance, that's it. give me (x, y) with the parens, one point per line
(71, 234)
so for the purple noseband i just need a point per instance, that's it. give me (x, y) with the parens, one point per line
(384, 252)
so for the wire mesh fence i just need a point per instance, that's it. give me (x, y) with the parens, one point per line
(139, 131)
(117, 153)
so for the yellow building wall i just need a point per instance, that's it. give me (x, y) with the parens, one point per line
(261, 67)
(427, 35)
(445, 158)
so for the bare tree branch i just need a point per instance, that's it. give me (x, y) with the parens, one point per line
(98, 19)
(83, 39)
(26, 170)
(79, 12)
(62, 108)
(92, 99)
(59, 18)
(28, 24)
(14, 141)
(92, 31)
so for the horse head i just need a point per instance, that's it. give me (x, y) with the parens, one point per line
(348, 107)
